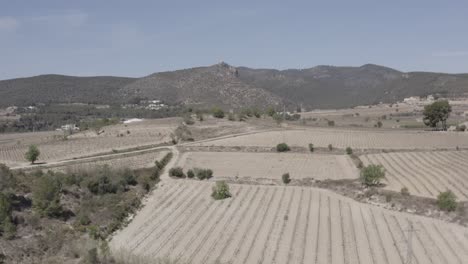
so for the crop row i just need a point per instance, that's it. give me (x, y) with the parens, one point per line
(271, 165)
(272, 224)
(346, 138)
(425, 173)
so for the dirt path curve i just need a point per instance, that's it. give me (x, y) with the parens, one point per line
(124, 153)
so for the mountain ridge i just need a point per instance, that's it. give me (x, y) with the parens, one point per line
(322, 86)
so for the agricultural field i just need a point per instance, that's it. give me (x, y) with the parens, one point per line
(54, 147)
(133, 162)
(425, 173)
(274, 224)
(271, 165)
(341, 138)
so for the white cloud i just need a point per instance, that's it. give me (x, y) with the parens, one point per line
(68, 18)
(8, 24)
(450, 54)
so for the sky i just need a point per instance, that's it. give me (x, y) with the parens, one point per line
(137, 38)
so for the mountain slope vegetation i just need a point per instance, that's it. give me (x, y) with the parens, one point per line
(237, 87)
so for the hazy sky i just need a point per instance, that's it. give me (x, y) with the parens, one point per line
(136, 38)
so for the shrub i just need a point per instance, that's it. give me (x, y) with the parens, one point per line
(188, 120)
(282, 147)
(379, 124)
(372, 175)
(349, 150)
(145, 183)
(447, 201)
(7, 180)
(331, 123)
(32, 154)
(218, 113)
(128, 177)
(404, 191)
(101, 185)
(311, 147)
(46, 196)
(190, 174)
(286, 179)
(330, 147)
(203, 174)
(460, 128)
(221, 191)
(177, 172)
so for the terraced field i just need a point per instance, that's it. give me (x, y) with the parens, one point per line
(274, 224)
(271, 165)
(425, 173)
(53, 148)
(366, 139)
(139, 161)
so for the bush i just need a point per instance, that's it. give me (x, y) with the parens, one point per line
(177, 172)
(7, 180)
(372, 175)
(379, 124)
(46, 196)
(101, 185)
(188, 120)
(447, 201)
(460, 128)
(286, 179)
(331, 123)
(190, 174)
(330, 147)
(203, 174)
(404, 191)
(221, 191)
(349, 150)
(218, 113)
(32, 154)
(282, 147)
(128, 177)
(311, 147)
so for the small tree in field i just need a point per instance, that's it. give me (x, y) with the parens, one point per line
(286, 179)
(447, 201)
(221, 191)
(330, 147)
(349, 150)
(32, 154)
(311, 147)
(372, 175)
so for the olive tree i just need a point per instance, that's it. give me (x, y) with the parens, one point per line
(437, 112)
(32, 154)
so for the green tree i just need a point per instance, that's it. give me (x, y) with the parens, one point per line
(32, 154)
(372, 175)
(437, 112)
(349, 150)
